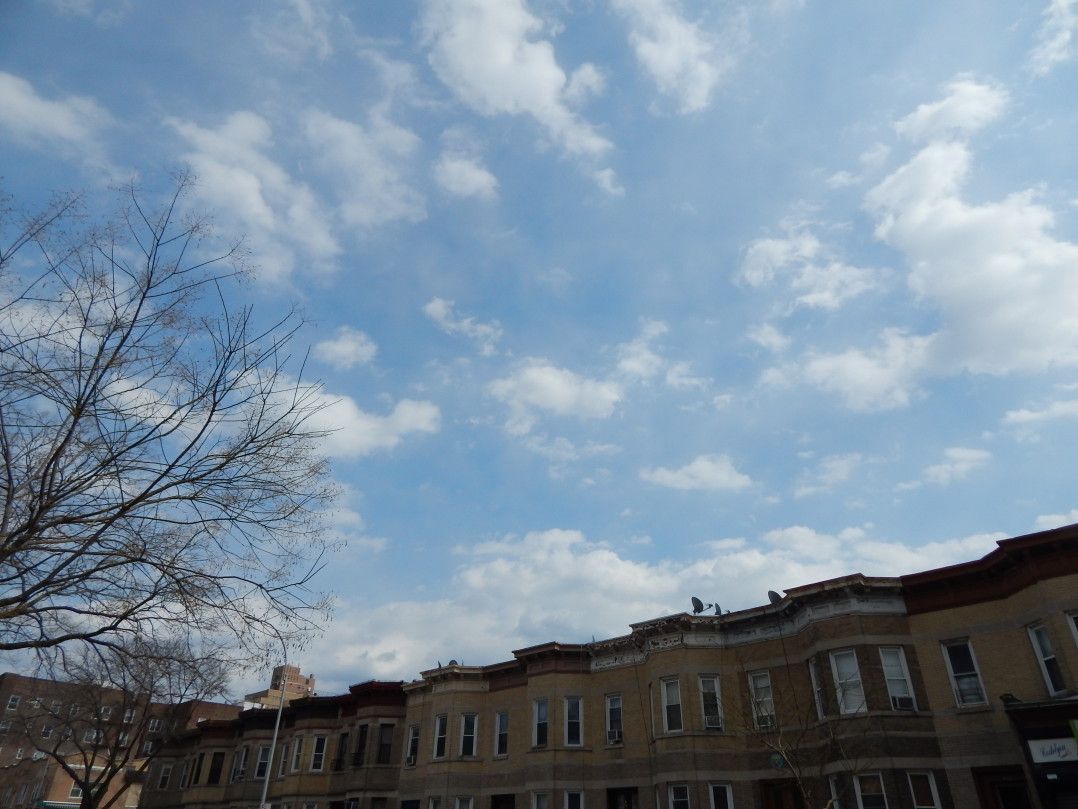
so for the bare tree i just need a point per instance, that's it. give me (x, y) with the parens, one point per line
(109, 711)
(158, 467)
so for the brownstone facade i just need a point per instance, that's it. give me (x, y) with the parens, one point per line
(947, 689)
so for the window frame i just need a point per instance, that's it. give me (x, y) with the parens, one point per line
(579, 721)
(842, 688)
(679, 803)
(13, 702)
(669, 706)
(540, 800)
(817, 687)
(756, 701)
(411, 750)
(383, 753)
(704, 694)
(282, 766)
(1072, 622)
(726, 787)
(164, 775)
(544, 704)
(836, 790)
(463, 802)
(441, 729)
(297, 754)
(905, 674)
(931, 785)
(579, 803)
(501, 733)
(473, 736)
(609, 709)
(318, 753)
(945, 646)
(1042, 658)
(857, 788)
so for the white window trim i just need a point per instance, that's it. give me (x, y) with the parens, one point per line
(680, 704)
(164, 776)
(1052, 690)
(537, 795)
(315, 753)
(411, 758)
(464, 802)
(857, 788)
(621, 719)
(580, 722)
(670, 794)
(840, 694)
(817, 691)
(497, 733)
(1072, 622)
(905, 673)
(441, 722)
(835, 790)
(282, 766)
(297, 754)
(718, 701)
(950, 672)
(568, 792)
(932, 785)
(13, 702)
(535, 721)
(475, 734)
(711, 787)
(755, 701)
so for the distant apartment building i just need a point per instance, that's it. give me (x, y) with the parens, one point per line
(949, 689)
(286, 683)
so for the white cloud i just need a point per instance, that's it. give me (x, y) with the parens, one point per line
(286, 223)
(957, 464)
(636, 359)
(705, 472)
(348, 348)
(539, 386)
(769, 337)
(72, 125)
(368, 165)
(831, 471)
(607, 179)
(485, 335)
(356, 433)
(842, 179)
(1055, 410)
(1047, 521)
(558, 585)
(586, 81)
(491, 55)
(294, 28)
(967, 107)
(683, 59)
(817, 280)
(679, 376)
(1056, 37)
(464, 176)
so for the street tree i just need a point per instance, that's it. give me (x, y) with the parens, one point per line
(159, 469)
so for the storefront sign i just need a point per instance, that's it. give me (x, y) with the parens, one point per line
(1046, 751)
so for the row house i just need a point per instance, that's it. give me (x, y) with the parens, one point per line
(948, 689)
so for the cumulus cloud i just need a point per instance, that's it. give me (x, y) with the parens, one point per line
(957, 463)
(680, 56)
(1056, 37)
(557, 584)
(815, 277)
(539, 386)
(464, 176)
(356, 433)
(289, 29)
(1067, 409)
(485, 335)
(1047, 521)
(491, 54)
(968, 106)
(636, 358)
(769, 337)
(368, 165)
(830, 472)
(287, 224)
(72, 125)
(348, 347)
(703, 473)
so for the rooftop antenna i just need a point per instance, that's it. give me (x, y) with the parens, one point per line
(774, 597)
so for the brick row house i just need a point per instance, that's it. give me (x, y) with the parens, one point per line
(947, 689)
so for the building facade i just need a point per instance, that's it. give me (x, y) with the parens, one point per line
(947, 689)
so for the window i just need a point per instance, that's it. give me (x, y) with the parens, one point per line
(869, 788)
(18, 754)
(463, 802)
(318, 754)
(129, 716)
(501, 733)
(105, 712)
(1046, 659)
(836, 791)
(153, 726)
(164, 776)
(147, 747)
(817, 688)
(413, 745)
(467, 733)
(848, 689)
(763, 704)
(574, 799)
(46, 732)
(385, 744)
(92, 736)
(965, 679)
(679, 796)
(923, 790)
(239, 765)
(13, 702)
(539, 723)
(263, 763)
(540, 800)
(361, 747)
(297, 753)
(5, 725)
(671, 692)
(284, 760)
(217, 764)
(1072, 621)
(440, 723)
(613, 719)
(75, 791)
(183, 775)
(710, 701)
(434, 803)
(198, 768)
(123, 738)
(574, 735)
(310, 806)
(898, 678)
(56, 707)
(342, 752)
(721, 797)
(351, 803)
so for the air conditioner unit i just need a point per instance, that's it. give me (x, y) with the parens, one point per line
(613, 737)
(409, 761)
(902, 703)
(713, 722)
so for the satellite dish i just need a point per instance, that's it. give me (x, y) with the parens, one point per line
(697, 606)
(718, 610)
(775, 597)
(453, 663)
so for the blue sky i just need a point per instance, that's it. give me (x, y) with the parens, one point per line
(616, 301)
